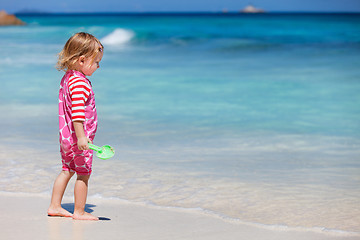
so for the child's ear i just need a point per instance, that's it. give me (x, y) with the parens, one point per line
(81, 60)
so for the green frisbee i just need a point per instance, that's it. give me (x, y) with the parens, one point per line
(104, 152)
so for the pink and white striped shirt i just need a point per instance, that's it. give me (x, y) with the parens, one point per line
(79, 93)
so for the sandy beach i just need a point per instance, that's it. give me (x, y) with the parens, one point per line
(24, 216)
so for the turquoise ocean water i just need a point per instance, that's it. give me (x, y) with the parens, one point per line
(251, 118)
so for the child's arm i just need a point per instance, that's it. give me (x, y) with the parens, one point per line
(80, 134)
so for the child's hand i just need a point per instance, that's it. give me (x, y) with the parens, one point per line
(83, 143)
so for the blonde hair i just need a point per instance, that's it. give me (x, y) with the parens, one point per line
(80, 44)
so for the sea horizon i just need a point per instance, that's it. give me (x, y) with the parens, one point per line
(182, 13)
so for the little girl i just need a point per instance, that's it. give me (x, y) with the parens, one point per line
(80, 57)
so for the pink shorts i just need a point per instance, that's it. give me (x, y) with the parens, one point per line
(78, 161)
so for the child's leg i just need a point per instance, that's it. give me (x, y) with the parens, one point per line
(80, 194)
(60, 184)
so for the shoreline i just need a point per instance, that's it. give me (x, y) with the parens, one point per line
(122, 219)
(269, 210)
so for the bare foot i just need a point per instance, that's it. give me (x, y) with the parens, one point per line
(58, 212)
(84, 216)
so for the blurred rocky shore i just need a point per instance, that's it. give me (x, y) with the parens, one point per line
(9, 19)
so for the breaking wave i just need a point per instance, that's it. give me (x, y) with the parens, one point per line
(118, 37)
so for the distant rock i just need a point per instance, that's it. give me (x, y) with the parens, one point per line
(9, 19)
(252, 9)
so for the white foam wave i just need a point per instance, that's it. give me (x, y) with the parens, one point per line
(118, 37)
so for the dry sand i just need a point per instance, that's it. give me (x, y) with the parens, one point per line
(23, 216)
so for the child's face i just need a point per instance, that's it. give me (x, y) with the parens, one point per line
(88, 66)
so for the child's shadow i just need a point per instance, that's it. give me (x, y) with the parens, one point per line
(88, 208)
